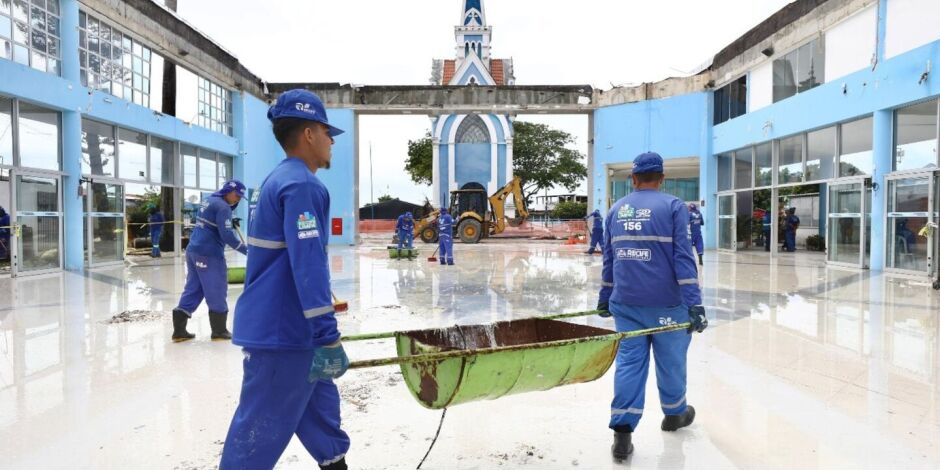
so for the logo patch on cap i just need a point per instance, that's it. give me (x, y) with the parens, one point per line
(305, 107)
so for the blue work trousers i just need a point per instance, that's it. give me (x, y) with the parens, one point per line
(155, 235)
(445, 245)
(405, 239)
(633, 361)
(206, 278)
(597, 239)
(277, 401)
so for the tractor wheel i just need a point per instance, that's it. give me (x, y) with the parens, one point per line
(429, 235)
(470, 231)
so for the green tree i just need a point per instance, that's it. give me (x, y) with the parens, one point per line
(385, 198)
(570, 210)
(540, 157)
(420, 160)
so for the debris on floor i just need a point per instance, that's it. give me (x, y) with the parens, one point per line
(131, 316)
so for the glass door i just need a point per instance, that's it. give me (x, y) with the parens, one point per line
(907, 216)
(846, 227)
(38, 216)
(727, 230)
(104, 223)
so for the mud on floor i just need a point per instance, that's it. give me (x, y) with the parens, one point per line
(131, 316)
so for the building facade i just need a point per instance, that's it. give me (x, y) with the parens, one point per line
(471, 151)
(830, 107)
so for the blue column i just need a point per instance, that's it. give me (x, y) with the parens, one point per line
(708, 179)
(71, 143)
(882, 28)
(882, 156)
(240, 131)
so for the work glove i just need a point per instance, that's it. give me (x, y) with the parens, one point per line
(237, 222)
(329, 362)
(603, 309)
(697, 320)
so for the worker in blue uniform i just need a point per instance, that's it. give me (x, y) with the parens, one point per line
(156, 231)
(597, 231)
(696, 222)
(206, 271)
(791, 224)
(767, 226)
(649, 279)
(406, 230)
(284, 319)
(445, 238)
(4, 234)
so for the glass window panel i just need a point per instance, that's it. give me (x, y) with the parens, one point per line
(132, 152)
(5, 6)
(208, 179)
(743, 168)
(38, 41)
(20, 10)
(784, 77)
(916, 137)
(105, 50)
(189, 165)
(162, 158)
(21, 54)
(126, 43)
(764, 164)
(38, 137)
(52, 46)
(105, 33)
(53, 6)
(107, 197)
(6, 49)
(6, 131)
(908, 206)
(82, 39)
(790, 160)
(724, 172)
(97, 148)
(6, 27)
(52, 26)
(39, 3)
(20, 32)
(82, 19)
(856, 144)
(225, 169)
(37, 18)
(821, 154)
(116, 38)
(52, 66)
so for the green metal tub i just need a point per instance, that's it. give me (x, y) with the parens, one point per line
(405, 252)
(484, 362)
(236, 275)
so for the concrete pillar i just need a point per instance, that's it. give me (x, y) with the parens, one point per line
(882, 29)
(882, 155)
(240, 132)
(71, 144)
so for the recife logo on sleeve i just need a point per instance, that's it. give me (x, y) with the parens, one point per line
(307, 226)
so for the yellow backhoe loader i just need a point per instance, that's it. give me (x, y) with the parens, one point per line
(472, 219)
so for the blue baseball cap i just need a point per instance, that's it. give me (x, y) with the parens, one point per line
(301, 104)
(649, 162)
(231, 186)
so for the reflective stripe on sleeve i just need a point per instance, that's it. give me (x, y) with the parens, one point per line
(316, 312)
(607, 284)
(641, 238)
(206, 221)
(269, 244)
(685, 282)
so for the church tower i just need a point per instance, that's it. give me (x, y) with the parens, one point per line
(471, 150)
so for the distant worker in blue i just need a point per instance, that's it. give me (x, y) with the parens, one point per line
(284, 319)
(406, 231)
(156, 231)
(445, 238)
(649, 279)
(4, 234)
(696, 222)
(597, 231)
(206, 271)
(767, 226)
(790, 226)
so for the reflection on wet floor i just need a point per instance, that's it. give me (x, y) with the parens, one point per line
(821, 366)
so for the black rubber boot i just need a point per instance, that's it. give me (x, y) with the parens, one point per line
(623, 446)
(700, 263)
(676, 422)
(180, 318)
(338, 465)
(217, 321)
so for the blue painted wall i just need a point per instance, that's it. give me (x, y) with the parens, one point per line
(341, 179)
(674, 127)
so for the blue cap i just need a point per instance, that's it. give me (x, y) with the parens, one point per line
(649, 162)
(231, 186)
(301, 104)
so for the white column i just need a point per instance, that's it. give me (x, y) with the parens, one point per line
(510, 210)
(435, 173)
(451, 170)
(494, 160)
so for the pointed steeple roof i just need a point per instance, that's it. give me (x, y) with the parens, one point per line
(472, 13)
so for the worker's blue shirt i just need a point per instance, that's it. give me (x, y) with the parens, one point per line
(214, 230)
(405, 225)
(793, 223)
(287, 301)
(648, 258)
(445, 225)
(696, 221)
(767, 224)
(156, 223)
(598, 222)
(4, 223)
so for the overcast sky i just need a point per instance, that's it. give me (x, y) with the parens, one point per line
(378, 42)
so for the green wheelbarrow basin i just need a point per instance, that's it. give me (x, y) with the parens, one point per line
(236, 275)
(405, 252)
(541, 354)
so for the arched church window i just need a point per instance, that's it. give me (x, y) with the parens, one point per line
(473, 81)
(472, 130)
(466, 49)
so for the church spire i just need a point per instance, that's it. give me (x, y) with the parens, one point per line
(472, 13)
